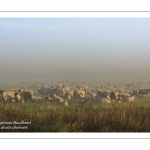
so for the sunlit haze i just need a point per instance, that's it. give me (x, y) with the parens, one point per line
(75, 49)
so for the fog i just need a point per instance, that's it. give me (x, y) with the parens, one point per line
(74, 49)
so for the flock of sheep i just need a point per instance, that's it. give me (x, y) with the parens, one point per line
(62, 92)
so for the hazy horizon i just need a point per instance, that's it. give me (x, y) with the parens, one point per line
(76, 49)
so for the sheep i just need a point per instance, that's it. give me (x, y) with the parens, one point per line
(143, 92)
(3, 97)
(101, 93)
(129, 99)
(7, 96)
(26, 95)
(114, 95)
(59, 100)
(66, 88)
(67, 96)
(134, 93)
(79, 93)
(92, 96)
(18, 98)
(140, 92)
(123, 95)
(40, 90)
(46, 90)
(56, 98)
(60, 91)
(103, 99)
(10, 96)
(142, 95)
(48, 98)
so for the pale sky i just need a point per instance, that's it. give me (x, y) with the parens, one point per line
(76, 49)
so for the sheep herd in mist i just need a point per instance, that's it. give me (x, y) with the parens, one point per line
(66, 91)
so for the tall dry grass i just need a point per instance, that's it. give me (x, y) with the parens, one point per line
(91, 117)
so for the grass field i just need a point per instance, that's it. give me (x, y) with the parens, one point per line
(90, 117)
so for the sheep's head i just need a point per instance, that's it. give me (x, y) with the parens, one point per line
(108, 97)
(1, 91)
(53, 95)
(20, 90)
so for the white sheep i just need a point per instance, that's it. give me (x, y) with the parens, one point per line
(103, 99)
(129, 99)
(48, 98)
(10, 96)
(79, 93)
(56, 98)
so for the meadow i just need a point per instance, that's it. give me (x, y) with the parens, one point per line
(90, 117)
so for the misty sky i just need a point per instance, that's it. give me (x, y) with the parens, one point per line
(76, 49)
